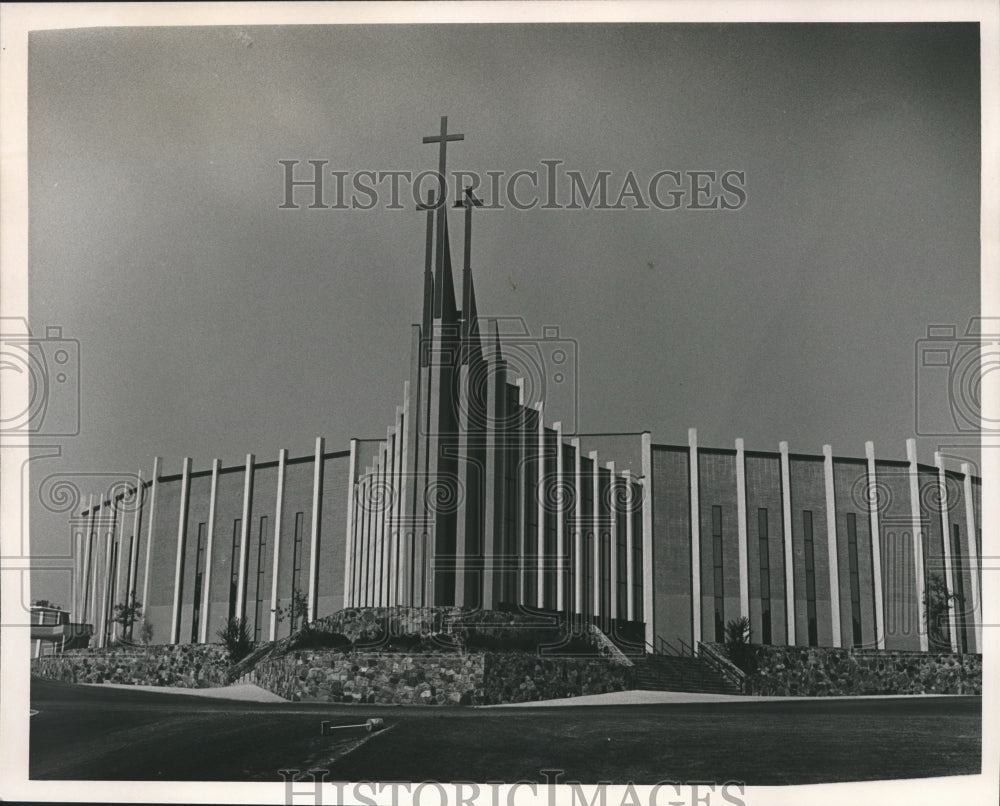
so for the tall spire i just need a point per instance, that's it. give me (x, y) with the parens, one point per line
(471, 346)
(427, 318)
(442, 263)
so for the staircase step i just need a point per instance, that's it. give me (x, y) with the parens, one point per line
(681, 673)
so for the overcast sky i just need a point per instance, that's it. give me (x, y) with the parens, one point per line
(212, 323)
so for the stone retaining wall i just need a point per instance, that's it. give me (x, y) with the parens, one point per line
(814, 671)
(183, 665)
(437, 679)
(524, 677)
(388, 678)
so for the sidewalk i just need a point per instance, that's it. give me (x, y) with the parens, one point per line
(246, 692)
(655, 697)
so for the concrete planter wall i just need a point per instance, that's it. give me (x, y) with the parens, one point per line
(183, 665)
(815, 671)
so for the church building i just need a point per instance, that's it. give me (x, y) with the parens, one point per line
(475, 497)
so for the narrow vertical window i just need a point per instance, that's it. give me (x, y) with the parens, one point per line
(261, 559)
(765, 576)
(637, 572)
(720, 621)
(807, 533)
(234, 569)
(852, 560)
(296, 569)
(956, 553)
(199, 559)
(621, 558)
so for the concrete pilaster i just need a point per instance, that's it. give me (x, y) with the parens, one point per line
(695, 536)
(542, 464)
(150, 528)
(561, 494)
(741, 529)
(613, 539)
(209, 543)
(578, 555)
(786, 520)
(949, 560)
(876, 538)
(241, 579)
(629, 548)
(279, 504)
(595, 520)
(175, 619)
(133, 571)
(831, 545)
(971, 526)
(351, 528)
(919, 572)
(648, 615)
(314, 527)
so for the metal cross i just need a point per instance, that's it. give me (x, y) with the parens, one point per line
(443, 139)
(468, 202)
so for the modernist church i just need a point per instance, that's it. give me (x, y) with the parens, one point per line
(474, 497)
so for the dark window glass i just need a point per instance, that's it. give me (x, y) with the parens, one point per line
(259, 586)
(852, 560)
(717, 574)
(807, 533)
(296, 569)
(960, 604)
(234, 567)
(198, 571)
(765, 576)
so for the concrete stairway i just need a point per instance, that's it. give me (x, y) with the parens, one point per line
(681, 673)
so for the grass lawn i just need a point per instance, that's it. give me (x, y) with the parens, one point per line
(91, 733)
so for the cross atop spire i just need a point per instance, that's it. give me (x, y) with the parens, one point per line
(442, 140)
(442, 258)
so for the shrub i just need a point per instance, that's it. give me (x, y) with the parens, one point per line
(310, 638)
(236, 637)
(738, 646)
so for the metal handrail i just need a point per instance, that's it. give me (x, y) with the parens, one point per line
(723, 665)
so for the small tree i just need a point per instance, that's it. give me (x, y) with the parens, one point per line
(738, 646)
(937, 602)
(236, 637)
(296, 611)
(146, 631)
(127, 614)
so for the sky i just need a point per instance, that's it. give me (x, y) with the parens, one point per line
(213, 323)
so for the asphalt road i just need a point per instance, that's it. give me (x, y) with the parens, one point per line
(92, 733)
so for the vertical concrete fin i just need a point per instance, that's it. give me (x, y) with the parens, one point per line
(919, 572)
(741, 529)
(648, 614)
(949, 560)
(974, 566)
(876, 539)
(831, 545)
(209, 543)
(786, 518)
(696, 618)
(279, 503)
(175, 619)
(317, 513)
